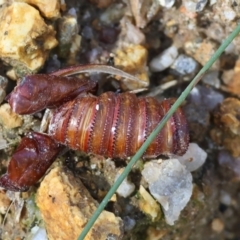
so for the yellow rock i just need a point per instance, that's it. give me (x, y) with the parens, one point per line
(26, 39)
(49, 9)
(8, 118)
(148, 205)
(133, 59)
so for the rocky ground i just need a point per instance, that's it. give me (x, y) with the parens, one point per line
(163, 43)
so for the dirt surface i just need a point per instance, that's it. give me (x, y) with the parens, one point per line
(164, 44)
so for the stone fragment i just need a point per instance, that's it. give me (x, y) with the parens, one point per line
(26, 39)
(185, 65)
(67, 36)
(211, 78)
(143, 11)
(133, 59)
(206, 97)
(126, 188)
(164, 59)
(66, 206)
(216, 31)
(230, 167)
(225, 197)
(155, 233)
(49, 9)
(171, 184)
(194, 158)
(225, 11)
(4, 202)
(148, 205)
(113, 14)
(227, 126)
(202, 51)
(217, 225)
(8, 118)
(166, 3)
(3, 85)
(130, 34)
(18, 204)
(194, 5)
(38, 233)
(129, 223)
(231, 79)
(3, 142)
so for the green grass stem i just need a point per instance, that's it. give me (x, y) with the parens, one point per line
(145, 145)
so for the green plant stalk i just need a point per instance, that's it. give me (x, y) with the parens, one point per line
(145, 145)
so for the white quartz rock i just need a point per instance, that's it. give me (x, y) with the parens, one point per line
(126, 188)
(164, 60)
(172, 188)
(166, 3)
(194, 158)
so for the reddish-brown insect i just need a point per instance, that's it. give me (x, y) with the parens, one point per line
(112, 125)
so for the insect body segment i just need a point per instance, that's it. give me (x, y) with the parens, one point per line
(112, 125)
(33, 156)
(39, 91)
(116, 125)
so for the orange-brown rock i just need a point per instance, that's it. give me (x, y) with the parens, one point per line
(227, 130)
(66, 206)
(231, 79)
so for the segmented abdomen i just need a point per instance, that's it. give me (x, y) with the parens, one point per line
(116, 125)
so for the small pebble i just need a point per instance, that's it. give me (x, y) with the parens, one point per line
(195, 5)
(129, 223)
(148, 204)
(113, 14)
(227, 126)
(8, 118)
(212, 2)
(3, 142)
(231, 48)
(217, 225)
(87, 32)
(202, 50)
(225, 159)
(2, 95)
(126, 188)
(130, 33)
(215, 31)
(206, 97)
(229, 14)
(3, 82)
(194, 158)
(164, 60)
(4, 202)
(231, 79)
(38, 233)
(211, 78)
(185, 65)
(201, 5)
(225, 198)
(166, 3)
